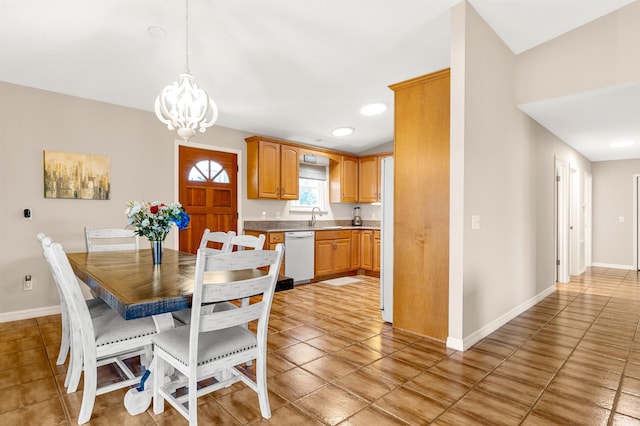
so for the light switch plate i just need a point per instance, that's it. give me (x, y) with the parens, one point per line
(475, 222)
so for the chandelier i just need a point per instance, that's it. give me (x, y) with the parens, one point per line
(183, 106)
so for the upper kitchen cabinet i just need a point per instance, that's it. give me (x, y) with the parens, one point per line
(272, 169)
(369, 173)
(421, 205)
(343, 177)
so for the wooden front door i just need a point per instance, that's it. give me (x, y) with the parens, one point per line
(208, 182)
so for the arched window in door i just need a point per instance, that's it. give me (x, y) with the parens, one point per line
(208, 171)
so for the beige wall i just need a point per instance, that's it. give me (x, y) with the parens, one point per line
(612, 199)
(603, 53)
(143, 158)
(504, 173)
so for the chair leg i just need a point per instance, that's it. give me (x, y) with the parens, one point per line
(193, 400)
(158, 380)
(89, 391)
(64, 343)
(76, 362)
(261, 384)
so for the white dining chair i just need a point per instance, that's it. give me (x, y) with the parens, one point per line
(215, 343)
(110, 239)
(102, 340)
(247, 242)
(216, 241)
(96, 308)
(221, 244)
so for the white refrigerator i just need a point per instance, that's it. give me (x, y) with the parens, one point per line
(386, 240)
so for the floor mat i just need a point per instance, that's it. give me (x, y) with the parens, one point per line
(341, 281)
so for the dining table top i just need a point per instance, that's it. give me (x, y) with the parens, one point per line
(131, 284)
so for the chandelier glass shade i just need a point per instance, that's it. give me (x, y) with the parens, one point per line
(183, 106)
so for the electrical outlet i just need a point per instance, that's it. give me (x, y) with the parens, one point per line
(27, 283)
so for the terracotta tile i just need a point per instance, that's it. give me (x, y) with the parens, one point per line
(331, 404)
(367, 385)
(394, 369)
(277, 341)
(410, 406)
(330, 367)
(18, 359)
(579, 389)
(303, 332)
(295, 383)
(300, 353)
(329, 343)
(244, 406)
(49, 412)
(477, 358)
(588, 373)
(569, 409)
(329, 324)
(384, 344)
(437, 387)
(456, 417)
(459, 372)
(522, 393)
(495, 347)
(629, 405)
(540, 419)
(359, 354)
(27, 394)
(632, 369)
(370, 416)
(495, 410)
(402, 336)
(290, 415)
(417, 357)
(280, 324)
(597, 360)
(542, 362)
(622, 420)
(524, 373)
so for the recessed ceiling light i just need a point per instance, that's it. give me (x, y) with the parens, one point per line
(342, 131)
(156, 31)
(621, 144)
(373, 109)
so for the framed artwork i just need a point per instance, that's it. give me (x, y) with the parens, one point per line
(76, 176)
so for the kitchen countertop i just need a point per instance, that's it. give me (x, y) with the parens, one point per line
(303, 225)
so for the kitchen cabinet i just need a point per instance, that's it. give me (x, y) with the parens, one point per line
(343, 180)
(272, 239)
(369, 174)
(366, 250)
(272, 170)
(421, 235)
(355, 249)
(332, 252)
(369, 179)
(370, 250)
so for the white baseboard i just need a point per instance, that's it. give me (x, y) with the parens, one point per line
(29, 313)
(467, 342)
(612, 266)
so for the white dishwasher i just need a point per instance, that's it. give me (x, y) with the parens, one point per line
(299, 255)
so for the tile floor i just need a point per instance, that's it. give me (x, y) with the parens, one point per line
(572, 359)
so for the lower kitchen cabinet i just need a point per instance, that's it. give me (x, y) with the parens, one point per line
(332, 252)
(370, 250)
(272, 239)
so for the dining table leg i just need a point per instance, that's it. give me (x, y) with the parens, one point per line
(137, 400)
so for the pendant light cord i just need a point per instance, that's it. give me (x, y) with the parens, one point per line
(186, 47)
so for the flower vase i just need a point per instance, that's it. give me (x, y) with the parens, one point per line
(156, 251)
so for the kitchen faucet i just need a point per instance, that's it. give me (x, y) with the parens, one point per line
(312, 222)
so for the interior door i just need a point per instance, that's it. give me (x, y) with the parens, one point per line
(208, 187)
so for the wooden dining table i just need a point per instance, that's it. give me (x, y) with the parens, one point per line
(132, 285)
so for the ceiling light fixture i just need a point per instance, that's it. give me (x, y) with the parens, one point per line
(621, 144)
(373, 109)
(183, 105)
(342, 131)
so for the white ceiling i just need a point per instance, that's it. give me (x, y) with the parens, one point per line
(290, 69)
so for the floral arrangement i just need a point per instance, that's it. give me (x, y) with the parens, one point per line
(154, 220)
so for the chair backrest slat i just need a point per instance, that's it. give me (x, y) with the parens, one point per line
(231, 318)
(111, 239)
(213, 293)
(221, 240)
(248, 241)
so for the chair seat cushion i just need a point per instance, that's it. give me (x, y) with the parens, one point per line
(112, 328)
(212, 345)
(184, 315)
